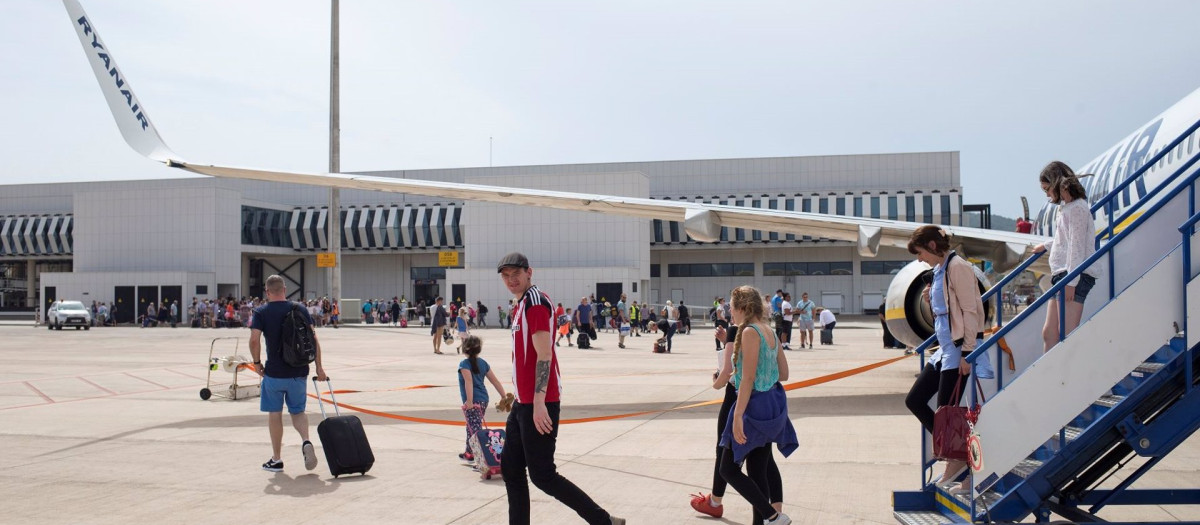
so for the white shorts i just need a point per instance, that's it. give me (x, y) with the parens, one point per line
(802, 324)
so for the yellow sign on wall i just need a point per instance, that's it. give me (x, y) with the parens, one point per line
(326, 260)
(447, 258)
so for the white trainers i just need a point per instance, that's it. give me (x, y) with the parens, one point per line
(310, 455)
(781, 519)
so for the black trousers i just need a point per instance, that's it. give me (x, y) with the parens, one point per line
(774, 481)
(933, 381)
(525, 447)
(750, 486)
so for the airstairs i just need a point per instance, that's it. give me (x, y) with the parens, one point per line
(1117, 395)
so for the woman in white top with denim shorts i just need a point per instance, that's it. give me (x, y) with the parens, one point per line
(1074, 241)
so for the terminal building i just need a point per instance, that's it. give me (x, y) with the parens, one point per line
(135, 242)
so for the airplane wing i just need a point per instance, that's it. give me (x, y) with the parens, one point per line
(703, 222)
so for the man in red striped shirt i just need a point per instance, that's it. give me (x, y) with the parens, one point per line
(532, 428)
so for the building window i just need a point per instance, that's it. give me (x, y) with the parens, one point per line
(265, 227)
(655, 270)
(823, 206)
(927, 209)
(882, 267)
(773, 269)
(201, 289)
(945, 209)
(658, 236)
(874, 207)
(427, 273)
(840, 205)
(858, 207)
(910, 208)
(710, 270)
(818, 268)
(841, 268)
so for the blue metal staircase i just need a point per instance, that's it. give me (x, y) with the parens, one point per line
(1060, 425)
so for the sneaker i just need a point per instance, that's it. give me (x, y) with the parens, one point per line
(780, 519)
(621, 345)
(703, 504)
(310, 455)
(466, 456)
(616, 520)
(273, 465)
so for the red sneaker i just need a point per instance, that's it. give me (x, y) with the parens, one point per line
(702, 504)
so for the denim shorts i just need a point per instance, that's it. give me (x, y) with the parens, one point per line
(277, 390)
(1085, 284)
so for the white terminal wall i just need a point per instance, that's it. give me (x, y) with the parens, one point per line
(569, 251)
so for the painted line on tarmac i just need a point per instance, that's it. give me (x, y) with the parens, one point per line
(39, 392)
(790, 386)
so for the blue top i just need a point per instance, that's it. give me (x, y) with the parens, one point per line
(765, 422)
(585, 313)
(776, 303)
(766, 373)
(462, 324)
(479, 393)
(941, 328)
(268, 319)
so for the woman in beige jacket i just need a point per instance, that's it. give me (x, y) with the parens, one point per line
(954, 299)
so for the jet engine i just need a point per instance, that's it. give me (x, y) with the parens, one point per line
(910, 318)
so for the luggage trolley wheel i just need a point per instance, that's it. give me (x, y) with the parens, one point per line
(205, 394)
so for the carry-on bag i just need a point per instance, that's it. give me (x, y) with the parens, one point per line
(343, 439)
(583, 341)
(952, 425)
(486, 446)
(826, 336)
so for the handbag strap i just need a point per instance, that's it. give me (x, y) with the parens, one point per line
(979, 389)
(957, 388)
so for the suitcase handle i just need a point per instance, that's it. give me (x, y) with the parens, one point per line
(317, 389)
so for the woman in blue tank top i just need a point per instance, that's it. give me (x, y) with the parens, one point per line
(759, 417)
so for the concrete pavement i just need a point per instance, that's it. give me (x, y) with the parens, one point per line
(106, 426)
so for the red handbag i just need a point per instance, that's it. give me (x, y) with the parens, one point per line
(952, 426)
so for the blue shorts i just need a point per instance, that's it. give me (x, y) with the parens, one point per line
(276, 390)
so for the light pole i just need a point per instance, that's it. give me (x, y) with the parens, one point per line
(335, 161)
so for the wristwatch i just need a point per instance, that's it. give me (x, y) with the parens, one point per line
(258, 362)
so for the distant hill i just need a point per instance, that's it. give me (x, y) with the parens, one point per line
(998, 222)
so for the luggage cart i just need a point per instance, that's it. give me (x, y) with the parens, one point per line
(235, 364)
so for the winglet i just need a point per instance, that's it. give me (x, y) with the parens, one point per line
(131, 116)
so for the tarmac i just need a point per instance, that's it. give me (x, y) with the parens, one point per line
(107, 426)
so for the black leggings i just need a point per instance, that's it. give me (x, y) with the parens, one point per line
(753, 487)
(932, 380)
(775, 481)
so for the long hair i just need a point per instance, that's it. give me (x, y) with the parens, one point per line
(1063, 181)
(471, 346)
(747, 300)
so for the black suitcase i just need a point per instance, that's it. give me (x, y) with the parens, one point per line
(826, 336)
(343, 439)
(486, 446)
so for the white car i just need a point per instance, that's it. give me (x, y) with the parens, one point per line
(69, 313)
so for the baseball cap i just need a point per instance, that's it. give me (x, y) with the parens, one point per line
(514, 259)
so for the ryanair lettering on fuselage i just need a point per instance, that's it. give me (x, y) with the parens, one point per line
(113, 72)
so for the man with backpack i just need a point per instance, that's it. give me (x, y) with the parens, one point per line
(291, 345)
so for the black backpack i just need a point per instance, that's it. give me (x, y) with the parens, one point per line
(297, 344)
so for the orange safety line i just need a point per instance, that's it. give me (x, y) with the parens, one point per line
(791, 386)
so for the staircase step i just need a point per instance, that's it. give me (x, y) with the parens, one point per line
(1110, 400)
(1071, 433)
(1028, 467)
(1147, 369)
(921, 517)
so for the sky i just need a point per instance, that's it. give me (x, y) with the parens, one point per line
(1011, 85)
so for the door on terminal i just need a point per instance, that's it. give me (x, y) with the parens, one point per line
(426, 291)
(145, 296)
(123, 301)
(51, 296)
(610, 292)
(173, 295)
(459, 292)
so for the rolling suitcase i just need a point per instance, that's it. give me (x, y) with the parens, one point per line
(826, 336)
(486, 446)
(343, 439)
